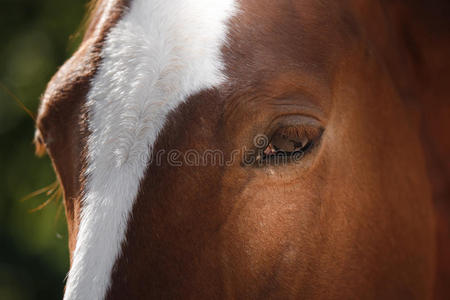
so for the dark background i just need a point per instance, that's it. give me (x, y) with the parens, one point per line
(35, 41)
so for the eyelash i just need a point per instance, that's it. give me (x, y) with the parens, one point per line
(302, 140)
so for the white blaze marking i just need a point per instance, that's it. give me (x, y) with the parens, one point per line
(157, 55)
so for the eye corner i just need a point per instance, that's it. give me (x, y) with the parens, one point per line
(38, 140)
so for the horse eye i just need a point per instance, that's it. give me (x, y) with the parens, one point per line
(285, 144)
(289, 144)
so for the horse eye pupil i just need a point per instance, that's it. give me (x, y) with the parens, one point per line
(284, 145)
(298, 145)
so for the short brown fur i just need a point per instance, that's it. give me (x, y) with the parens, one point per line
(365, 215)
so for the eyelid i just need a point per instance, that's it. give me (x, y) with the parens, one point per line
(293, 121)
(298, 132)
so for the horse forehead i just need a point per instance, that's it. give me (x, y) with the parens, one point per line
(140, 67)
(157, 55)
(270, 38)
(268, 33)
(69, 86)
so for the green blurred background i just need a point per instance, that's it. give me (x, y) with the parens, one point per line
(33, 246)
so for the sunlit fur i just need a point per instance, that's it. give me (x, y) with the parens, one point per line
(159, 54)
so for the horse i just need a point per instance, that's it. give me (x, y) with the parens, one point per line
(330, 120)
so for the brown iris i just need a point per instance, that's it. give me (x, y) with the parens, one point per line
(290, 142)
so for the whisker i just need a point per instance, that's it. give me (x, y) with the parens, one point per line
(40, 191)
(18, 101)
(54, 191)
(47, 202)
